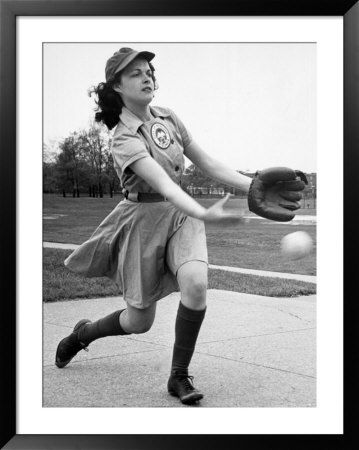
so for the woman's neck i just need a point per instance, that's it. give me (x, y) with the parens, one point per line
(142, 112)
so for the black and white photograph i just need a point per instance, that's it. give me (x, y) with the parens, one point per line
(179, 223)
(173, 207)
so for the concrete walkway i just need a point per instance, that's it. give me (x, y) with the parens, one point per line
(263, 273)
(252, 351)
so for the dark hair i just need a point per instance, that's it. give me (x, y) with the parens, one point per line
(109, 102)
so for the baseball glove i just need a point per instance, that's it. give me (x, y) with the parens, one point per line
(275, 193)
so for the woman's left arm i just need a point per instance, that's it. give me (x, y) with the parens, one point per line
(215, 169)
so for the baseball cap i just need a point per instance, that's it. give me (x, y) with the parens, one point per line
(121, 59)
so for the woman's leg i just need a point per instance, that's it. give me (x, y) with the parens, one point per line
(125, 321)
(137, 321)
(121, 322)
(192, 279)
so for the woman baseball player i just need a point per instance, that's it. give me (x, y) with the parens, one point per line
(153, 242)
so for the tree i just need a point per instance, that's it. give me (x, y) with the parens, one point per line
(72, 169)
(49, 179)
(112, 177)
(49, 152)
(82, 163)
(94, 144)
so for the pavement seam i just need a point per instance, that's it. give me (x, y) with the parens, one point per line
(203, 342)
(87, 360)
(255, 335)
(51, 365)
(292, 315)
(201, 353)
(258, 365)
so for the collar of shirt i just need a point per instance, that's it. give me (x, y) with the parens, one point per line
(133, 122)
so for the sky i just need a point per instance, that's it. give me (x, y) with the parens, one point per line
(251, 106)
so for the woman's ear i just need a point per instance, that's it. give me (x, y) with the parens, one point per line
(117, 88)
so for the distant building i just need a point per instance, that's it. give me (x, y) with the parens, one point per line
(312, 180)
(309, 192)
(199, 190)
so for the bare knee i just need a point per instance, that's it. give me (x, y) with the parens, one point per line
(140, 327)
(138, 321)
(194, 292)
(195, 288)
(192, 278)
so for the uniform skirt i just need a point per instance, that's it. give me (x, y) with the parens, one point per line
(141, 246)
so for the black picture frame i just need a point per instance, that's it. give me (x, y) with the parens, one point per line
(9, 10)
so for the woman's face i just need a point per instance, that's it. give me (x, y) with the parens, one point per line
(136, 86)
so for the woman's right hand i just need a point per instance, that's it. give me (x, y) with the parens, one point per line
(217, 214)
(151, 172)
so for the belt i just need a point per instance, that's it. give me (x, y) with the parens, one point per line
(144, 197)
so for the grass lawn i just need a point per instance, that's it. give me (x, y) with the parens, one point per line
(254, 245)
(60, 284)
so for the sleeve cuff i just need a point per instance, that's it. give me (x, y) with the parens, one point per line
(133, 159)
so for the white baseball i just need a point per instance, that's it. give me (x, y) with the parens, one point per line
(296, 245)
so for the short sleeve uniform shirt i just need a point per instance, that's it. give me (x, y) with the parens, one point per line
(164, 138)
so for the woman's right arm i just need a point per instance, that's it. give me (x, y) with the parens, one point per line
(151, 172)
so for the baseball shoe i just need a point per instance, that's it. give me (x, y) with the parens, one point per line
(181, 385)
(70, 345)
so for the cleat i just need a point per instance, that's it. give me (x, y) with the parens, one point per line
(70, 345)
(181, 385)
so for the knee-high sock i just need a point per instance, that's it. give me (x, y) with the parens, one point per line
(188, 324)
(106, 326)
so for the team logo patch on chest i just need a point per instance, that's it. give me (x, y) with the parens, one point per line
(160, 135)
